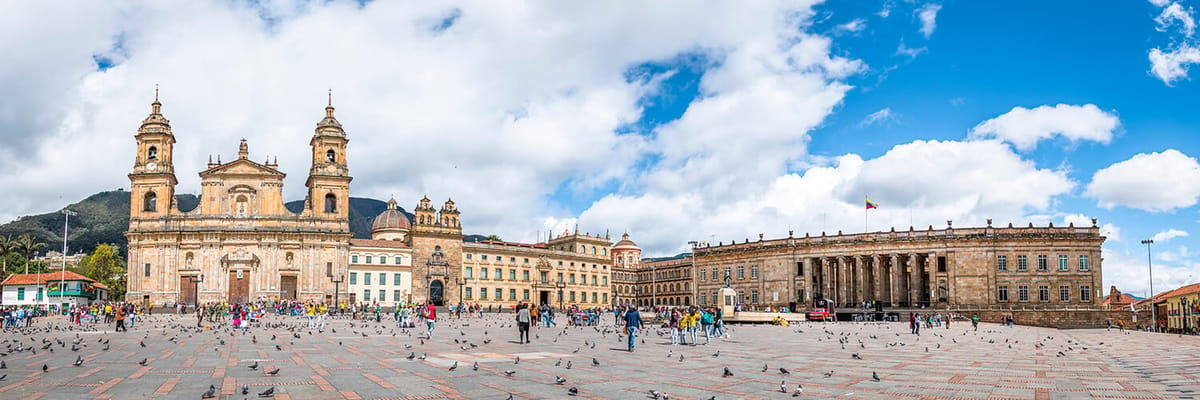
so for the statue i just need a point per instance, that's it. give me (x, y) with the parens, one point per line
(727, 278)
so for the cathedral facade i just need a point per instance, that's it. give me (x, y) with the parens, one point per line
(240, 243)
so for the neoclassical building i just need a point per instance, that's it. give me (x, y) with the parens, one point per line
(626, 260)
(1044, 266)
(381, 267)
(568, 269)
(240, 244)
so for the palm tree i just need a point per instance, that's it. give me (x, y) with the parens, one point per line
(28, 247)
(7, 246)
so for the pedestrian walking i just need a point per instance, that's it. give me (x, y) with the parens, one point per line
(523, 319)
(633, 322)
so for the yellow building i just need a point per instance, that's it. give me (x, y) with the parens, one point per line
(1183, 309)
(569, 269)
(239, 244)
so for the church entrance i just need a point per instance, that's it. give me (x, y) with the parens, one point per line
(435, 292)
(187, 290)
(544, 297)
(239, 287)
(287, 285)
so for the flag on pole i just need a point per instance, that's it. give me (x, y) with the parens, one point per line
(871, 204)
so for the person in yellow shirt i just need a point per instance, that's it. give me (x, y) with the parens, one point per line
(321, 310)
(692, 319)
(311, 312)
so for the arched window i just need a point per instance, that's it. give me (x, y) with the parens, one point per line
(330, 203)
(604, 252)
(330, 156)
(150, 202)
(593, 249)
(152, 153)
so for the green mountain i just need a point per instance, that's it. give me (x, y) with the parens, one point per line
(104, 217)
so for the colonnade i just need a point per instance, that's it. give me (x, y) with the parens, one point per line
(900, 280)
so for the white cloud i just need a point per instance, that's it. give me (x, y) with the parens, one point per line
(1160, 3)
(881, 116)
(928, 16)
(857, 25)
(886, 10)
(1024, 127)
(1128, 270)
(1148, 181)
(1175, 13)
(1172, 65)
(1168, 234)
(908, 51)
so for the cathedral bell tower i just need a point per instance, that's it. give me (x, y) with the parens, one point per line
(329, 178)
(152, 182)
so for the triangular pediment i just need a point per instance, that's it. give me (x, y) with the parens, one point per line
(242, 167)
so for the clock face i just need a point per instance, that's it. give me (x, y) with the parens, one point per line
(151, 166)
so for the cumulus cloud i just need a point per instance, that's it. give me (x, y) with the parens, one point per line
(880, 117)
(1127, 269)
(1149, 181)
(1176, 14)
(1168, 235)
(1172, 65)
(1024, 127)
(928, 16)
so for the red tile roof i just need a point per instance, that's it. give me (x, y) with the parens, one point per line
(100, 285)
(32, 279)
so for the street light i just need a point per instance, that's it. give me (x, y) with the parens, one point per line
(1150, 267)
(341, 278)
(460, 282)
(62, 283)
(695, 288)
(560, 285)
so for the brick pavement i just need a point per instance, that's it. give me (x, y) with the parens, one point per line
(995, 362)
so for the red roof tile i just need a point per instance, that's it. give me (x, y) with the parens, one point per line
(32, 279)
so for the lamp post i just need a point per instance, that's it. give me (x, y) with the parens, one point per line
(694, 243)
(560, 285)
(653, 288)
(196, 280)
(62, 283)
(460, 282)
(1150, 267)
(341, 278)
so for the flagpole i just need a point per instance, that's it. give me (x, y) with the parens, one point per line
(865, 213)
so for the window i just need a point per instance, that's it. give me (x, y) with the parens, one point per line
(594, 282)
(399, 260)
(1043, 263)
(382, 295)
(483, 257)
(799, 269)
(1064, 294)
(483, 293)
(366, 278)
(147, 269)
(512, 294)
(1043, 293)
(328, 268)
(499, 293)
(605, 280)
(525, 294)
(383, 279)
(525, 276)
(1002, 293)
(741, 272)
(715, 277)
(1085, 294)
(483, 273)
(753, 297)
(606, 297)
(153, 153)
(1083, 263)
(594, 298)
(1023, 293)
(396, 279)
(467, 292)
(467, 272)
(353, 278)
(330, 156)
(572, 278)
(367, 295)
(512, 274)
(330, 203)
(150, 202)
(741, 296)
(703, 298)
(604, 252)
(20, 293)
(1002, 263)
(396, 294)
(753, 272)
(1062, 263)
(354, 259)
(368, 259)
(499, 274)
(512, 259)
(527, 261)
(1022, 263)
(941, 264)
(703, 275)
(545, 278)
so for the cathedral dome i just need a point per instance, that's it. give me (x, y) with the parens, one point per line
(390, 219)
(626, 244)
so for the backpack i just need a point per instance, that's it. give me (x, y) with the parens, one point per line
(706, 318)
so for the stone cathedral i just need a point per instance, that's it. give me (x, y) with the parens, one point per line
(240, 243)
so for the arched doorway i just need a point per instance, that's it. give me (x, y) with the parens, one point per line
(435, 292)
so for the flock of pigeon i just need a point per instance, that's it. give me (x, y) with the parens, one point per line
(858, 344)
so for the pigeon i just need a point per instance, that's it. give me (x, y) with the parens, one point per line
(573, 391)
(475, 367)
(558, 380)
(568, 364)
(517, 361)
(254, 367)
(829, 374)
(717, 354)
(411, 355)
(727, 372)
(509, 372)
(422, 357)
(799, 390)
(273, 373)
(654, 394)
(557, 363)
(268, 393)
(3, 365)
(455, 366)
(764, 368)
(78, 361)
(857, 357)
(143, 362)
(278, 348)
(784, 371)
(595, 362)
(142, 343)
(874, 376)
(782, 387)
(45, 367)
(245, 390)
(211, 393)
(3, 376)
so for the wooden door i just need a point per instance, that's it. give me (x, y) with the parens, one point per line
(288, 287)
(187, 291)
(239, 287)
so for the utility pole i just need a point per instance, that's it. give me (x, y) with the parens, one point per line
(62, 283)
(1150, 267)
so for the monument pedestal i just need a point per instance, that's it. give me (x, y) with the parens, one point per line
(728, 300)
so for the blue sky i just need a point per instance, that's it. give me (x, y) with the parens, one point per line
(666, 120)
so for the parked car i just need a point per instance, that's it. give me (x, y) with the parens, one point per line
(819, 314)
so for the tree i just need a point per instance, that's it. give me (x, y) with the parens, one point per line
(7, 246)
(494, 238)
(105, 266)
(28, 247)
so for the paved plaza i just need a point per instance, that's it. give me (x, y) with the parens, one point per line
(351, 361)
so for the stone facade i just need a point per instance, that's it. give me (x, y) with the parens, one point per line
(569, 269)
(626, 262)
(240, 244)
(437, 243)
(1051, 266)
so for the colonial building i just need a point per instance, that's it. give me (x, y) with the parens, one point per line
(61, 288)
(381, 267)
(1045, 266)
(666, 281)
(437, 248)
(1183, 309)
(240, 244)
(626, 260)
(569, 269)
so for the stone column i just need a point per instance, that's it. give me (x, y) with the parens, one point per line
(842, 280)
(876, 278)
(914, 279)
(931, 282)
(824, 277)
(860, 289)
(894, 280)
